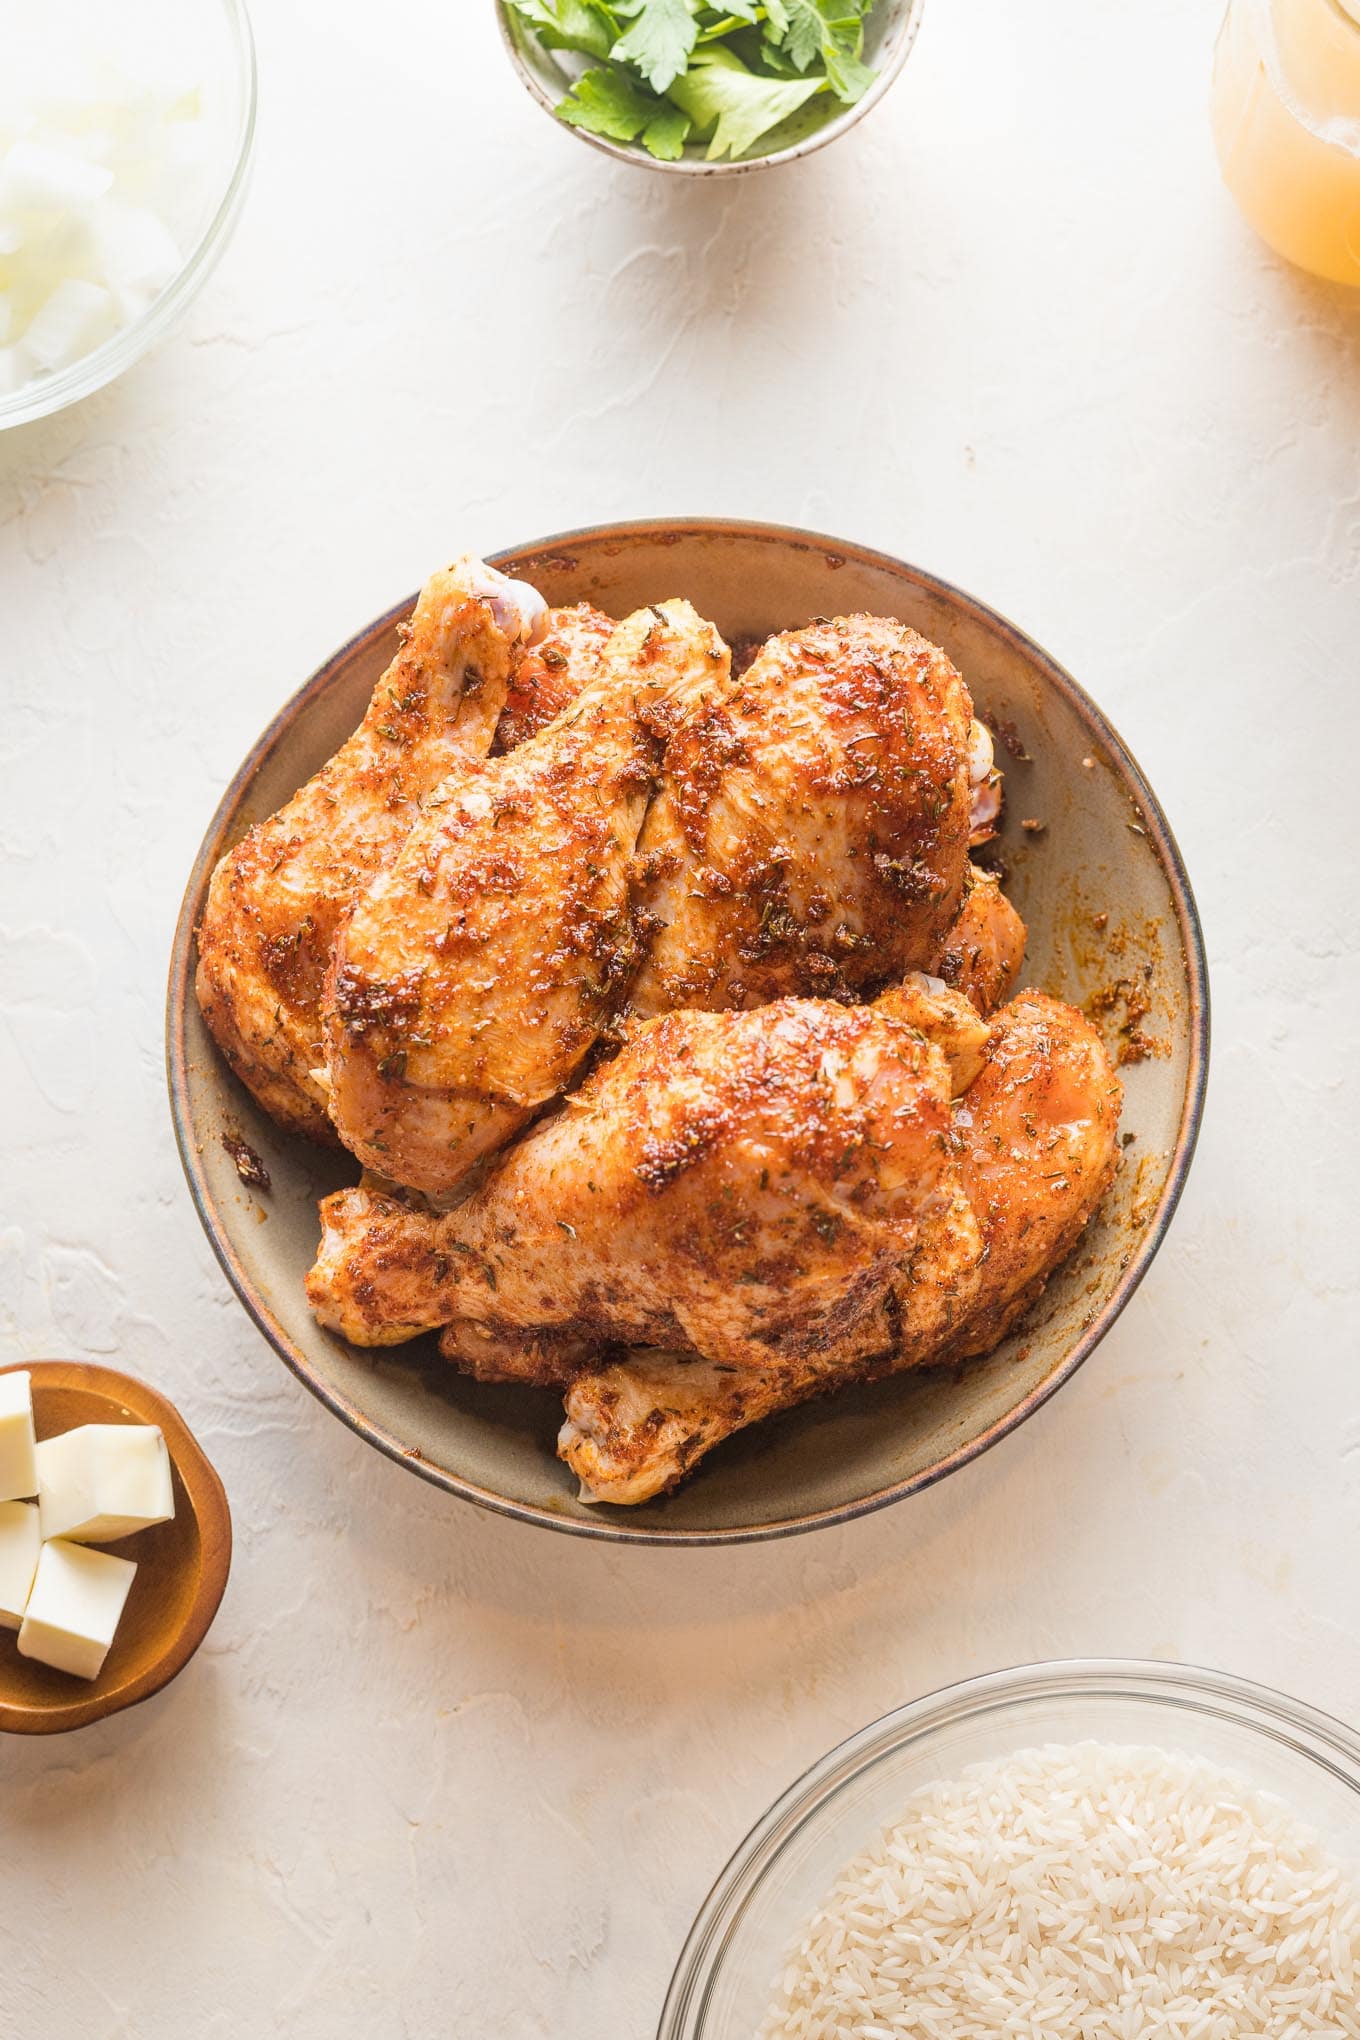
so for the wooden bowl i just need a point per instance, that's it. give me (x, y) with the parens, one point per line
(182, 1565)
(1105, 850)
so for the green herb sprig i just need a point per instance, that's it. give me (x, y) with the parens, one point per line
(669, 72)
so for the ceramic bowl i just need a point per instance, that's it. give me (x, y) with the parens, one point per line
(1106, 898)
(182, 1565)
(723, 1982)
(548, 75)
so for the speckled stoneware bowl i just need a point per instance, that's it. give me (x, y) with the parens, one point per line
(548, 76)
(1109, 912)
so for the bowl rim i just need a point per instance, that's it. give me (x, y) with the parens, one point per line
(93, 371)
(1308, 1731)
(207, 1498)
(179, 993)
(700, 166)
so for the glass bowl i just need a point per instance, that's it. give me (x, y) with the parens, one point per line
(548, 75)
(726, 1976)
(229, 70)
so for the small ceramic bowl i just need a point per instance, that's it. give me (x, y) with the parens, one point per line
(231, 80)
(1108, 905)
(548, 75)
(182, 1565)
(782, 1872)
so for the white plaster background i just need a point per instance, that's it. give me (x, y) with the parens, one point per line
(437, 1774)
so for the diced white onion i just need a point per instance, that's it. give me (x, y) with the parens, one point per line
(37, 178)
(76, 317)
(107, 140)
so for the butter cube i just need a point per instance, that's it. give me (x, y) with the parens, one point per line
(74, 1608)
(103, 1481)
(19, 1544)
(17, 1475)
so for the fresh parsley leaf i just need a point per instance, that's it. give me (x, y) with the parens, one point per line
(728, 17)
(666, 133)
(582, 25)
(659, 42)
(806, 29)
(848, 78)
(736, 105)
(607, 102)
(714, 31)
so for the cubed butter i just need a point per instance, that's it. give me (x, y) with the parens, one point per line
(74, 1607)
(19, 1544)
(103, 1481)
(17, 1475)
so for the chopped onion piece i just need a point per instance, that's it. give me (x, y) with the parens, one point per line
(76, 317)
(37, 178)
(111, 122)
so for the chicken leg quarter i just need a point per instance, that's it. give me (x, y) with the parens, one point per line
(474, 977)
(277, 899)
(745, 1183)
(1034, 1149)
(810, 835)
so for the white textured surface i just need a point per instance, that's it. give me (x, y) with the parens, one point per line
(436, 1774)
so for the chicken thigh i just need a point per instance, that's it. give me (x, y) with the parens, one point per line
(277, 899)
(473, 977)
(744, 1183)
(1034, 1141)
(810, 834)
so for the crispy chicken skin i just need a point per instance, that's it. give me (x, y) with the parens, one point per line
(277, 899)
(549, 675)
(985, 947)
(1035, 1148)
(810, 833)
(473, 978)
(742, 1183)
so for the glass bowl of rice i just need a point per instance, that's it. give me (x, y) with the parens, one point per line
(1062, 1850)
(125, 143)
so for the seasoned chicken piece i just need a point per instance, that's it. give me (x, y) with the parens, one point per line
(945, 1017)
(985, 947)
(385, 1273)
(474, 977)
(636, 1426)
(1038, 1144)
(742, 1183)
(277, 898)
(810, 834)
(1035, 1149)
(549, 675)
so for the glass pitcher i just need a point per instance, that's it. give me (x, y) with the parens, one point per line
(1286, 116)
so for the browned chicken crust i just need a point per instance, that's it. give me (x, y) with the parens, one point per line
(810, 835)
(473, 978)
(745, 1183)
(277, 899)
(1034, 1140)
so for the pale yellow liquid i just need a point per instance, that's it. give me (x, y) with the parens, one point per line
(1286, 115)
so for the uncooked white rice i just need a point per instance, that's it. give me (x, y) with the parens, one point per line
(1088, 1892)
